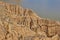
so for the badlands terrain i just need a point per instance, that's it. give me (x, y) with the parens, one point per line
(18, 23)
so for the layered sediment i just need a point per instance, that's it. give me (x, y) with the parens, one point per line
(18, 23)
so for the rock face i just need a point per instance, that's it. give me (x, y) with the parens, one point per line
(17, 23)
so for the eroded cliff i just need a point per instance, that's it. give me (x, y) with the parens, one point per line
(17, 23)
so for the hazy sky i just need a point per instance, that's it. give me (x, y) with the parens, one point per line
(44, 8)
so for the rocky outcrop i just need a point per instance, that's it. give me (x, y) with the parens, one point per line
(17, 23)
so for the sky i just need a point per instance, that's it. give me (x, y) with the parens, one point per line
(43, 8)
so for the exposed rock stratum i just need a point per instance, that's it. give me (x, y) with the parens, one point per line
(17, 23)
